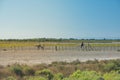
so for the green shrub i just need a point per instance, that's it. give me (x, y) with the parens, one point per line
(58, 76)
(110, 67)
(17, 70)
(28, 71)
(10, 78)
(86, 75)
(45, 73)
(34, 78)
(112, 76)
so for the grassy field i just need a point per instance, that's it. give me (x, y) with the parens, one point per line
(69, 43)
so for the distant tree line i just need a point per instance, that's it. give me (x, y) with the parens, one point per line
(63, 40)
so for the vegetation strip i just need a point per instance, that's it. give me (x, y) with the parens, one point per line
(76, 70)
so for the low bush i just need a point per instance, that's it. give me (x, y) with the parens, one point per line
(34, 78)
(45, 73)
(10, 78)
(58, 76)
(86, 75)
(28, 71)
(17, 70)
(112, 76)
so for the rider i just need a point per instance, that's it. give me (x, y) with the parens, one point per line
(82, 45)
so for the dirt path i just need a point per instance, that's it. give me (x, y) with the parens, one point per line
(37, 57)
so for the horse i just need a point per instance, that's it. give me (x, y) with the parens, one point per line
(40, 47)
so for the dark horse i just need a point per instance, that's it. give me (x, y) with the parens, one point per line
(40, 47)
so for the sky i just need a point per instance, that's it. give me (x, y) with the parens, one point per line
(20, 19)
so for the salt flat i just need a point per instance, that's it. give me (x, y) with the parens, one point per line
(36, 56)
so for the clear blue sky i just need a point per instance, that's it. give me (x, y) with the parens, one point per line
(59, 19)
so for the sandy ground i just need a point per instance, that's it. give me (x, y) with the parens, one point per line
(36, 57)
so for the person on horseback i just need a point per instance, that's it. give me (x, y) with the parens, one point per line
(82, 45)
